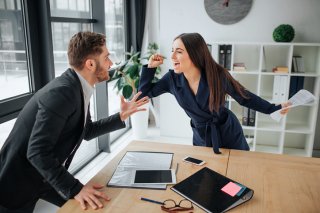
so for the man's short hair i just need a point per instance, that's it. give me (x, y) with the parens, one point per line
(83, 45)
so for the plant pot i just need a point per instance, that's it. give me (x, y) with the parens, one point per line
(139, 122)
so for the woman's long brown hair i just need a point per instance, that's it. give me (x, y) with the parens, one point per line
(216, 75)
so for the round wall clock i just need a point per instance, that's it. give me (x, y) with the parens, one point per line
(227, 11)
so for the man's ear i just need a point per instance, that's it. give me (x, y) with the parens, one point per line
(90, 64)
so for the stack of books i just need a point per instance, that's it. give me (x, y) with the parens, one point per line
(280, 69)
(279, 88)
(248, 117)
(225, 51)
(297, 64)
(296, 84)
(239, 67)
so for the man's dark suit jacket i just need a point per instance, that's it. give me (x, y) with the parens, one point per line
(46, 131)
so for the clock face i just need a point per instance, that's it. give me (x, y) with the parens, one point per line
(227, 11)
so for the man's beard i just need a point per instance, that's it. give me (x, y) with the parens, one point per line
(101, 74)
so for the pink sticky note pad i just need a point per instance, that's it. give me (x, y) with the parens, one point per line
(231, 189)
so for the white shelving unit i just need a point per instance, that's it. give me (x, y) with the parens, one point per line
(294, 134)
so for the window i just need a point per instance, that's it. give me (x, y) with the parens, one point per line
(68, 20)
(114, 15)
(71, 8)
(114, 20)
(33, 51)
(88, 149)
(14, 78)
(61, 35)
(114, 107)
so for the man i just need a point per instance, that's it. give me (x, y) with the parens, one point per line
(49, 129)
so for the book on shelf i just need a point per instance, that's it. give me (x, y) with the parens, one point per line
(225, 55)
(300, 83)
(280, 69)
(252, 117)
(239, 69)
(239, 66)
(222, 55)
(228, 56)
(279, 88)
(296, 84)
(298, 64)
(275, 91)
(294, 64)
(293, 85)
(283, 88)
(248, 117)
(245, 116)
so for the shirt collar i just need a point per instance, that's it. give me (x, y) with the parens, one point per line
(86, 87)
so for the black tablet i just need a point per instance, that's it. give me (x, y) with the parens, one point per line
(166, 176)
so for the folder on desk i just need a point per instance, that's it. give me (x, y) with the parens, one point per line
(205, 189)
(139, 160)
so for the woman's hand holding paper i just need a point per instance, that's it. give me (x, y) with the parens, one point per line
(285, 107)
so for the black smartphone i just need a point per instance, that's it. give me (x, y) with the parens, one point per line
(195, 161)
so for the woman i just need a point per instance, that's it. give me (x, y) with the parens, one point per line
(200, 86)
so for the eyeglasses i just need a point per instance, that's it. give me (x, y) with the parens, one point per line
(171, 206)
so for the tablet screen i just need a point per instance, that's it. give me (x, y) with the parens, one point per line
(153, 176)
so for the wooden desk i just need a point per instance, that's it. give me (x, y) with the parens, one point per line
(281, 183)
(125, 200)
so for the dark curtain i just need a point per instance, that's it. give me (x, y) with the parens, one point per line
(135, 15)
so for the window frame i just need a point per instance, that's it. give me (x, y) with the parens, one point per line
(37, 22)
(111, 73)
(35, 28)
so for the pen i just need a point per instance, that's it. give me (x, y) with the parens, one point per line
(177, 168)
(152, 201)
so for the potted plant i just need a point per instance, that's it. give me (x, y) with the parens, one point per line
(127, 78)
(283, 33)
(128, 74)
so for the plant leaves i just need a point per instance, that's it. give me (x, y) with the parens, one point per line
(128, 74)
(116, 84)
(127, 91)
(135, 57)
(136, 54)
(133, 71)
(122, 83)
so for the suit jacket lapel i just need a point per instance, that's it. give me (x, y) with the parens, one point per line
(71, 75)
(198, 102)
(76, 82)
(203, 92)
(184, 95)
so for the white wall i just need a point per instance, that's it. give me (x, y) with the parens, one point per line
(178, 16)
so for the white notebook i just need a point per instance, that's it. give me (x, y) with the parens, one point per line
(139, 160)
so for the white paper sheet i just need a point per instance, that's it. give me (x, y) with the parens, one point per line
(124, 174)
(300, 98)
